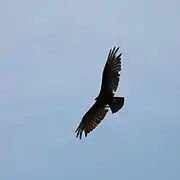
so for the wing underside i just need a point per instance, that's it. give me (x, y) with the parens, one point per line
(111, 73)
(91, 119)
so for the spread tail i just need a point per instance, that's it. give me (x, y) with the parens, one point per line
(116, 104)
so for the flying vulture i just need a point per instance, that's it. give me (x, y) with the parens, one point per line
(106, 98)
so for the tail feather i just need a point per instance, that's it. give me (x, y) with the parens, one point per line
(116, 104)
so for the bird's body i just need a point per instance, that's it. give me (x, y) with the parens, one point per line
(105, 99)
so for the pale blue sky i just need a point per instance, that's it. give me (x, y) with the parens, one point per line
(52, 54)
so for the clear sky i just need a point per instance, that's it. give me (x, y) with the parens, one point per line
(52, 54)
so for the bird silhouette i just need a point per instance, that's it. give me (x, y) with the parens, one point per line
(106, 98)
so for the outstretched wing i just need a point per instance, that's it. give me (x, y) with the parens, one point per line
(91, 119)
(111, 75)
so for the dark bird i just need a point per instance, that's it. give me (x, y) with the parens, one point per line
(105, 99)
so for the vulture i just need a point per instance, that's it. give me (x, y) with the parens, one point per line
(106, 98)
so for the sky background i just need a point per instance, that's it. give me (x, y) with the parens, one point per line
(52, 54)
